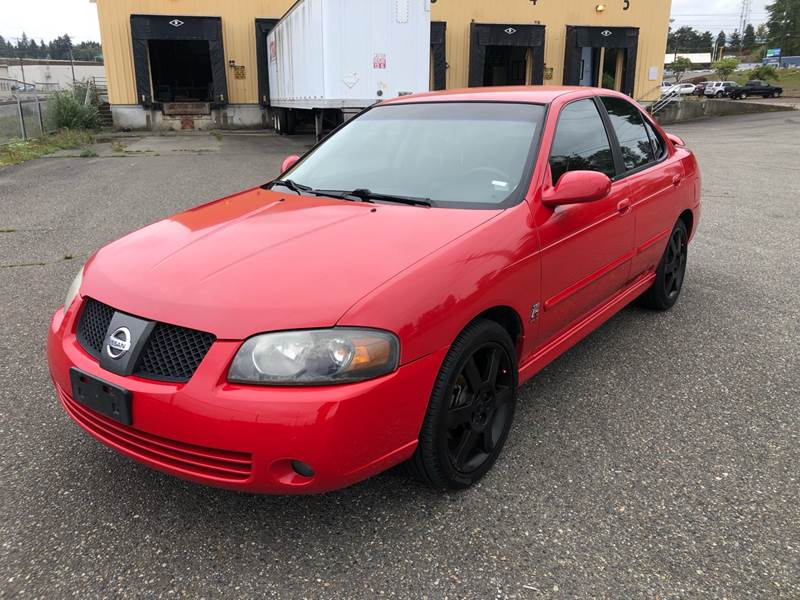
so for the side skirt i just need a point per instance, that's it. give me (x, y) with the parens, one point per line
(584, 327)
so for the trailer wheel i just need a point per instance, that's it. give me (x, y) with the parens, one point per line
(284, 121)
(278, 120)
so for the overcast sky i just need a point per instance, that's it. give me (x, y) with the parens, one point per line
(47, 19)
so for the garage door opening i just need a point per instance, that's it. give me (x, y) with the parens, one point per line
(601, 57)
(181, 70)
(179, 61)
(505, 65)
(506, 54)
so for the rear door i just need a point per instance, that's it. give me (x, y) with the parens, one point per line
(654, 178)
(586, 248)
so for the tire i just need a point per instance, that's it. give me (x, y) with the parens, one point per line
(719, 94)
(285, 121)
(743, 96)
(280, 121)
(666, 288)
(291, 122)
(470, 410)
(776, 94)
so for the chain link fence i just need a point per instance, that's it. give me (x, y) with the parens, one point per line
(23, 119)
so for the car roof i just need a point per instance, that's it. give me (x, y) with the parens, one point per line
(539, 94)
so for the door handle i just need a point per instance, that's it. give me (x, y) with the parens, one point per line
(676, 181)
(624, 206)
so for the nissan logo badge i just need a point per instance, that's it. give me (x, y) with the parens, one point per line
(119, 342)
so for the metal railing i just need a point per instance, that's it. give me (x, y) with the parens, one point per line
(10, 87)
(672, 95)
(22, 119)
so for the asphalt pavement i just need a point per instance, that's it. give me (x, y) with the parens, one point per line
(660, 458)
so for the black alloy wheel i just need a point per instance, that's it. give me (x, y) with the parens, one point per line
(470, 410)
(675, 263)
(671, 271)
(480, 407)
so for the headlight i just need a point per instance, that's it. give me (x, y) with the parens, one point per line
(315, 357)
(72, 292)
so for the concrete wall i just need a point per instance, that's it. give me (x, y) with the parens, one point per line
(58, 75)
(691, 109)
(232, 116)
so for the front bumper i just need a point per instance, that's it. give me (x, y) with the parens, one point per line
(245, 437)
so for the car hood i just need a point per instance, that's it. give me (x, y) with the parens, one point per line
(265, 261)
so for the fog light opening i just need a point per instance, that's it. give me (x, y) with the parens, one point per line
(302, 469)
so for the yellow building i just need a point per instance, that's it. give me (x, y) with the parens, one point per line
(153, 48)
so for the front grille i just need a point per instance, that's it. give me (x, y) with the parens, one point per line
(210, 464)
(92, 328)
(171, 353)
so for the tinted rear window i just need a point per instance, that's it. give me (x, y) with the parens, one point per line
(637, 149)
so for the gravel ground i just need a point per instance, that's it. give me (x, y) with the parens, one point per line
(657, 459)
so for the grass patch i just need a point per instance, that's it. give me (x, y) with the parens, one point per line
(117, 147)
(88, 153)
(19, 151)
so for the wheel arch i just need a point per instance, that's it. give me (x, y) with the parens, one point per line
(688, 219)
(509, 319)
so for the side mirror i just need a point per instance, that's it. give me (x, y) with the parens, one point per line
(576, 187)
(675, 140)
(289, 162)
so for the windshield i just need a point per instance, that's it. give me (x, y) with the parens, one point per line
(453, 154)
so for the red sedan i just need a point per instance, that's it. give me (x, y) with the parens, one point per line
(381, 301)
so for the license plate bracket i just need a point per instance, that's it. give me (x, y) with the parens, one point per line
(106, 398)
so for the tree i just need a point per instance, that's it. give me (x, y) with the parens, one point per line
(783, 25)
(735, 41)
(749, 37)
(22, 44)
(707, 41)
(60, 47)
(722, 39)
(684, 39)
(726, 66)
(679, 66)
(762, 33)
(764, 72)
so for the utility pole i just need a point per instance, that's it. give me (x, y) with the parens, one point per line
(744, 20)
(72, 64)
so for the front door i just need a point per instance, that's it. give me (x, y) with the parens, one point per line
(586, 248)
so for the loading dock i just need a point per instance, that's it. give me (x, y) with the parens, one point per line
(602, 57)
(506, 54)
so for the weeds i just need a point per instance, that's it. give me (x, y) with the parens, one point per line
(18, 151)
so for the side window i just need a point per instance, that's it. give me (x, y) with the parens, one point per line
(659, 146)
(581, 142)
(628, 124)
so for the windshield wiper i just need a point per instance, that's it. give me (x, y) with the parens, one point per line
(362, 194)
(340, 195)
(368, 195)
(289, 184)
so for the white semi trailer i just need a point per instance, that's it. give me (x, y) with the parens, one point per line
(329, 59)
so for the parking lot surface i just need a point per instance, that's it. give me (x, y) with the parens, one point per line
(657, 459)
